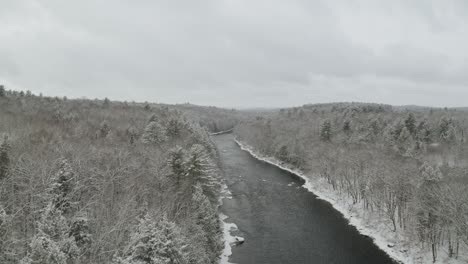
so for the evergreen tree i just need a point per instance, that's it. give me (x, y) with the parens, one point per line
(445, 127)
(80, 231)
(374, 127)
(404, 142)
(154, 134)
(62, 186)
(104, 129)
(4, 158)
(326, 131)
(155, 242)
(2, 91)
(132, 134)
(106, 102)
(52, 243)
(424, 132)
(200, 170)
(207, 218)
(395, 131)
(176, 163)
(283, 153)
(174, 126)
(347, 127)
(410, 124)
(197, 251)
(452, 135)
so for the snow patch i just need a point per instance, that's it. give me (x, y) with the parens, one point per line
(229, 239)
(225, 194)
(228, 228)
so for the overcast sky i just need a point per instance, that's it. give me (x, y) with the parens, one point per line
(238, 53)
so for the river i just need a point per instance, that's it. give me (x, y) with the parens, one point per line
(283, 222)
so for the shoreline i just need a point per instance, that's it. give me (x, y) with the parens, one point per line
(319, 188)
(227, 228)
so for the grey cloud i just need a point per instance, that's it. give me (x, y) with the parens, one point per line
(236, 53)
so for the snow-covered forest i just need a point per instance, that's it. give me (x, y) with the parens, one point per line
(213, 118)
(406, 167)
(96, 181)
(101, 181)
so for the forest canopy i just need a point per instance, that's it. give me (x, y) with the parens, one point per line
(406, 165)
(96, 181)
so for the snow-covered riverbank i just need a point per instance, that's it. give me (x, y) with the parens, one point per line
(372, 225)
(228, 228)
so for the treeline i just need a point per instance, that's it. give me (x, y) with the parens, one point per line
(408, 167)
(213, 118)
(95, 181)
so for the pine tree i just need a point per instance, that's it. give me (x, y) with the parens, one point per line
(176, 163)
(80, 231)
(106, 102)
(444, 127)
(424, 132)
(155, 242)
(132, 134)
(207, 218)
(451, 136)
(2, 91)
(283, 153)
(347, 127)
(410, 123)
(174, 127)
(104, 129)
(395, 131)
(52, 242)
(197, 245)
(201, 136)
(326, 131)
(200, 170)
(62, 186)
(154, 134)
(404, 142)
(4, 158)
(374, 127)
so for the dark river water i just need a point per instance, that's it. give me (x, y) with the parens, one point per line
(283, 222)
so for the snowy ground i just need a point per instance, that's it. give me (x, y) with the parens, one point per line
(372, 225)
(228, 228)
